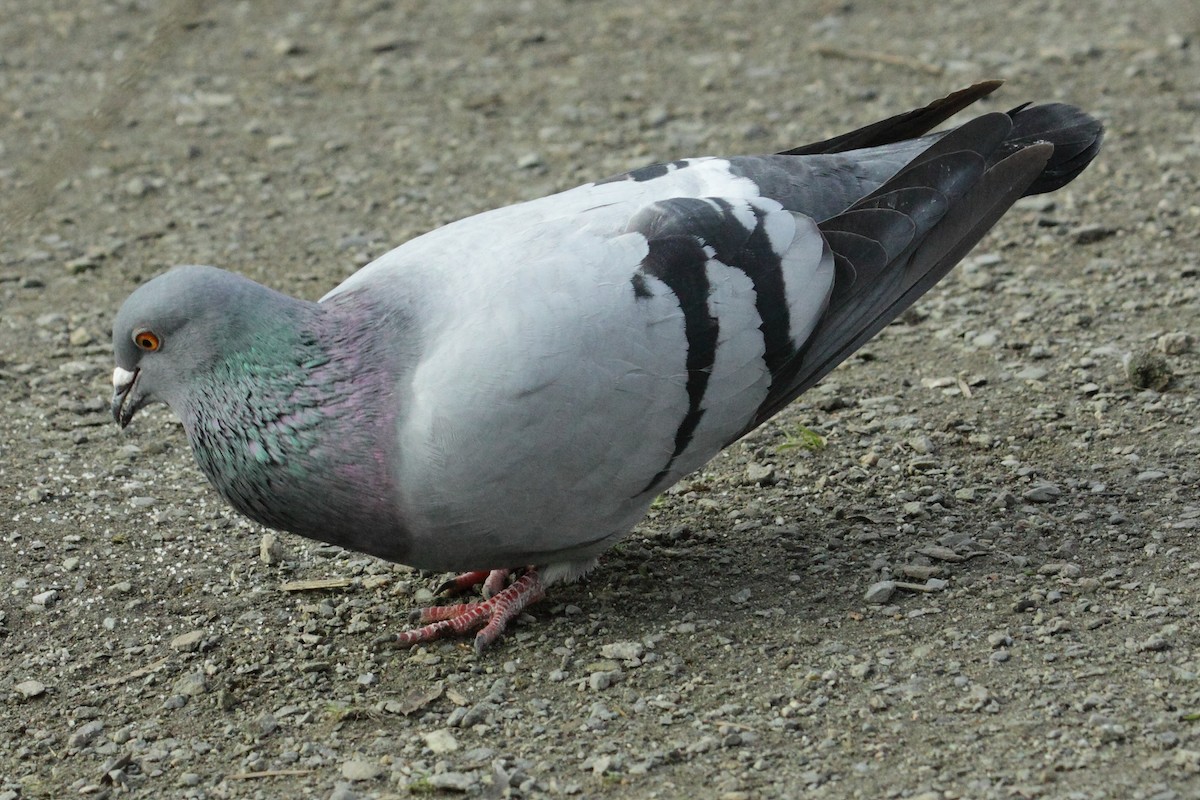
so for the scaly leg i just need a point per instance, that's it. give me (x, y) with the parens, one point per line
(493, 613)
(493, 581)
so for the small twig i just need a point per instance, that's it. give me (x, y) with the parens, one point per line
(269, 773)
(918, 587)
(964, 388)
(829, 51)
(317, 584)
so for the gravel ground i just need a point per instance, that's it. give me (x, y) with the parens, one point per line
(978, 583)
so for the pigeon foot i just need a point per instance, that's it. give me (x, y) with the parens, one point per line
(494, 613)
(492, 581)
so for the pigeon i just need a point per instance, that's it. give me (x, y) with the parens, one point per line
(505, 396)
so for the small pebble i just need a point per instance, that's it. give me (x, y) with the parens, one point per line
(623, 651)
(600, 680)
(281, 142)
(920, 572)
(85, 733)
(1033, 374)
(440, 741)
(191, 684)
(357, 770)
(529, 161)
(1042, 493)
(45, 598)
(270, 549)
(880, 592)
(999, 639)
(940, 553)
(1154, 644)
(188, 642)
(763, 474)
(1176, 343)
(286, 47)
(1090, 234)
(343, 791)
(453, 781)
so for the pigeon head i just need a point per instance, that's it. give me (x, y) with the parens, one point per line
(287, 404)
(172, 331)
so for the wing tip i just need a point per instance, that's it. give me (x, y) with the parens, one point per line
(908, 125)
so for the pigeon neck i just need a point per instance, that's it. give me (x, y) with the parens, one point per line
(297, 430)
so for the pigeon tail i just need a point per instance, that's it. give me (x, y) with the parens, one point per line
(894, 244)
(1075, 135)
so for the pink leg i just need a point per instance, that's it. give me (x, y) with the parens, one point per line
(460, 583)
(493, 613)
(494, 584)
(492, 581)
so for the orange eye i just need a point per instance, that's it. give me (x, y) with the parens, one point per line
(147, 340)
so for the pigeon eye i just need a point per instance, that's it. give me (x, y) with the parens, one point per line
(147, 340)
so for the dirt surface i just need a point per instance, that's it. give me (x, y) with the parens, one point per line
(990, 450)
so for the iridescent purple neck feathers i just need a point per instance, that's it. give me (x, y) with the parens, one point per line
(297, 427)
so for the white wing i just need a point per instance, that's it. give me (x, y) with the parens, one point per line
(579, 364)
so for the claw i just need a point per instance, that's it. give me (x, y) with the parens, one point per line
(493, 613)
(463, 582)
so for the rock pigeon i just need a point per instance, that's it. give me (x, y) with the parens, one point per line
(506, 395)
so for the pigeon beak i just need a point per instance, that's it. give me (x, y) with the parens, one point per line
(125, 402)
